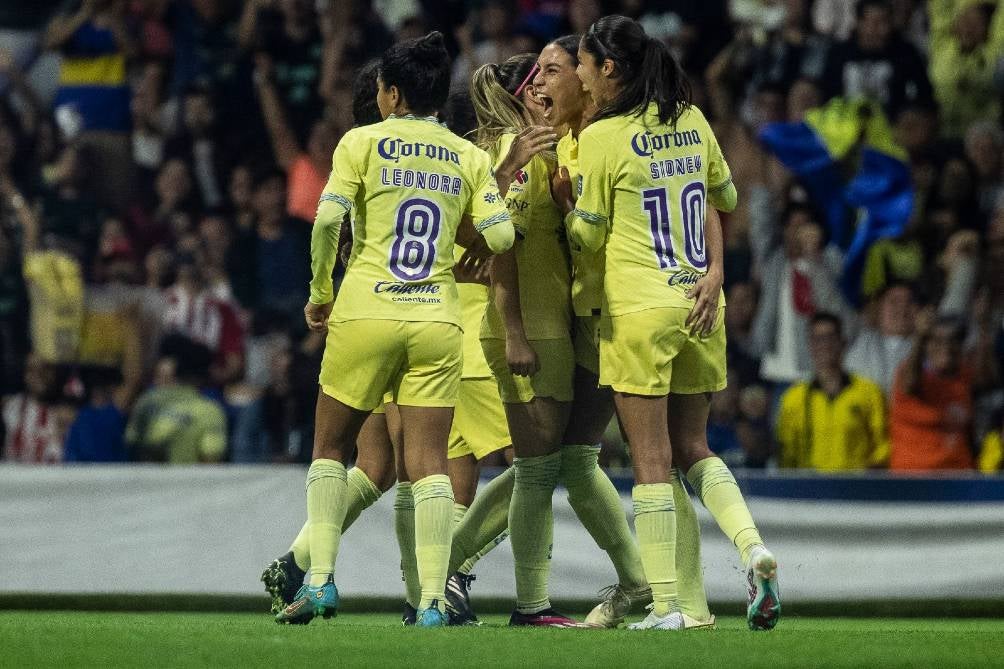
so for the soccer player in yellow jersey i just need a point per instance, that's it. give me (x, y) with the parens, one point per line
(373, 473)
(649, 162)
(396, 322)
(526, 330)
(568, 108)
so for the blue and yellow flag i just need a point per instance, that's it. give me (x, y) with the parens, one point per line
(856, 175)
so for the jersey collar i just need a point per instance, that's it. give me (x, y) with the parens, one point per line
(412, 117)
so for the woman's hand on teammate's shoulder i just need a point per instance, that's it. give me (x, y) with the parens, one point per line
(317, 315)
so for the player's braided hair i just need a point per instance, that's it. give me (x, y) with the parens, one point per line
(493, 89)
(646, 68)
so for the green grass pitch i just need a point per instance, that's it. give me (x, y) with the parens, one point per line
(95, 639)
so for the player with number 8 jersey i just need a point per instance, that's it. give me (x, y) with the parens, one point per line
(396, 323)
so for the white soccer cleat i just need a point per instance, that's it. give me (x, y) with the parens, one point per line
(671, 621)
(695, 624)
(617, 603)
(764, 609)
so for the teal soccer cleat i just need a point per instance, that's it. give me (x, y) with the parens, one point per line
(309, 603)
(431, 617)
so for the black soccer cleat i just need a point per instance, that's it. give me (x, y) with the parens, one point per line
(409, 616)
(282, 580)
(458, 600)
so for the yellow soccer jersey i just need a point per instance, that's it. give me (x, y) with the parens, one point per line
(587, 266)
(410, 180)
(473, 303)
(644, 189)
(541, 257)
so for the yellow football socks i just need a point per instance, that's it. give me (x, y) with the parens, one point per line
(718, 490)
(301, 547)
(690, 584)
(487, 518)
(404, 527)
(655, 522)
(362, 494)
(326, 490)
(459, 511)
(433, 529)
(531, 523)
(597, 504)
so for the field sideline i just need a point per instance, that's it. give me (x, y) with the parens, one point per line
(79, 639)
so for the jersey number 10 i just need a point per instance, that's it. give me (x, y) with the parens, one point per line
(414, 249)
(655, 202)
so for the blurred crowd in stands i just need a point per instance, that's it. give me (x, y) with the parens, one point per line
(161, 160)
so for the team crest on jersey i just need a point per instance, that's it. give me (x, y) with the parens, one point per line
(491, 198)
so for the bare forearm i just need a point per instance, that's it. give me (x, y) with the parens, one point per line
(284, 144)
(505, 289)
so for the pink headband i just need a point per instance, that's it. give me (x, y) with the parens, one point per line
(533, 71)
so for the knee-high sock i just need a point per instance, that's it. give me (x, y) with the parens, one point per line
(325, 513)
(459, 511)
(655, 522)
(433, 529)
(531, 523)
(689, 571)
(487, 518)
(719, 492)
(361, 494)
(468, 566)
(301, 547)
(404, 527)
(598, 505)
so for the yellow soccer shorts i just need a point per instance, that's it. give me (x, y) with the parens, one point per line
(587, 342)
(479, 422)
(653, 352)
(418, 362)
(554, 379)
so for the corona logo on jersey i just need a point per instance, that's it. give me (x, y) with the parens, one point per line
(394, 148)
(645, 143)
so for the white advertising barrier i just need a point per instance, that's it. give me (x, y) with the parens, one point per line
(152, 529)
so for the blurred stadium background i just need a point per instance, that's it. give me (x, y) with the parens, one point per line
(160, 162)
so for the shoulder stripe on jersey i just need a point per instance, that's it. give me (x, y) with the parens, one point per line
(721, 186)
(494, 219)
(334, 197)
(590, 217)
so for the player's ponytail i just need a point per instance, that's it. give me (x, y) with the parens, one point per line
(645, 67)
(494, 92)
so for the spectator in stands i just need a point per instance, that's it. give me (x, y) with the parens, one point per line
(966, 52)
(880, 348)
(93, 97)
(34, 420)
(877, 63)
(193, 311)
(306, 170)
(836, 421)
(270, 256)
(992, 451)
(288, 32)
(172, 422)
(69, 210)
(202, 146)
(932, 401)
(171, 211)
(791, 52)
(13, 295)
(152, 121)
(985, 150)
(97, 434)
(798, 277)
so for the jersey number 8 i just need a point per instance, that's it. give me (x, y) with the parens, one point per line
(655, 202)
(414, 249)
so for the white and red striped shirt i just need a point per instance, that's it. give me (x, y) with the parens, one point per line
(204, 318)
(32, 433)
